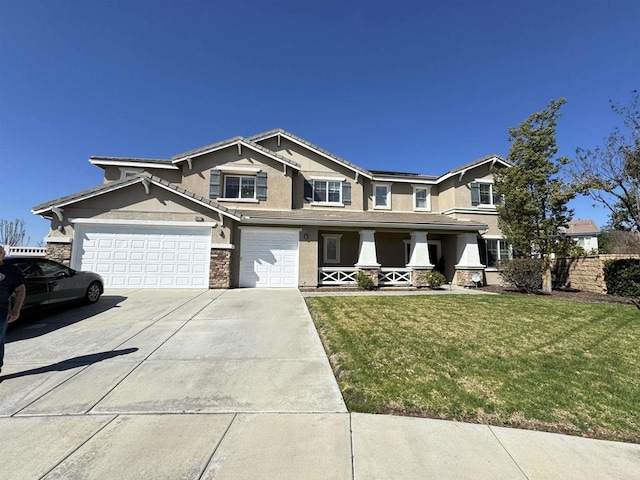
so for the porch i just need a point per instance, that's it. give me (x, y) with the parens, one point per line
(396, 259)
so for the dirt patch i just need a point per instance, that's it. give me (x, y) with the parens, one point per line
(566, 294)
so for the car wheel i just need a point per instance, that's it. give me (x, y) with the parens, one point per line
(93, 292)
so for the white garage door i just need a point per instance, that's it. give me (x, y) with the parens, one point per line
(269, 258)
(145, 256)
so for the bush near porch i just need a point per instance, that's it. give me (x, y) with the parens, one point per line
(521, 361)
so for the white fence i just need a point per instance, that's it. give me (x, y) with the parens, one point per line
(347, 276)
(25, 251)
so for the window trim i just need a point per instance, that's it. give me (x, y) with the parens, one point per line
(428, 199)
(387, 186)
(325, 239)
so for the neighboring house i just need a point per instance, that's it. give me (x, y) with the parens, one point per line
(585, 233)
(274, 210)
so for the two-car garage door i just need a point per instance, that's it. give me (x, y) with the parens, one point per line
(145, 256)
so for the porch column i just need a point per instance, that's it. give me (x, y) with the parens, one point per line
(419, 251)
(419, 262)
(367, 258)
(468, 260)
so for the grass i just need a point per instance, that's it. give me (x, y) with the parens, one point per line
(519, 361)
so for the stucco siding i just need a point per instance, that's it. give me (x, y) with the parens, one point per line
(132, 203)
(279, 184)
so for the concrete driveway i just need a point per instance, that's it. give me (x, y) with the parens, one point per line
(178, 384)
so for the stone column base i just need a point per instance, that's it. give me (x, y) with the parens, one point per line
(419, 277)
(59, 252)
(220, 268)
(372, 273)
(463, 277)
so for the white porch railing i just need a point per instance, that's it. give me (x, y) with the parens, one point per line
(347, 276)
(25, 251)
(337, 275)
(394, 276)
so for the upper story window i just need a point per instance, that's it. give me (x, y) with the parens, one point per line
(327, 192)
(236, 186)
(247, 188)
(484, 193)
(421, 198)
(381, 196)
(129, 172)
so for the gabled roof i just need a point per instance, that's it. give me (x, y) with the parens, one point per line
(133, 162)
(581, 227)
(310, 146)
(143, 178)
(461, 170)
(186, 156)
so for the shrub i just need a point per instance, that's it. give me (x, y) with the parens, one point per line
(364, 281)
(525, 274)
(622, 277)
(435, 279)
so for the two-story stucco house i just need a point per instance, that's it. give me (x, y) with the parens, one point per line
(274, 210)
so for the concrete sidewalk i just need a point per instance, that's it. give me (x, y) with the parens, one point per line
(233, 384)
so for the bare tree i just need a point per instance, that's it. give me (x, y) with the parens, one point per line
(13, 232)
(610, 174)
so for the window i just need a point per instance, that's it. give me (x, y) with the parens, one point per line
(239, 187)
(381, 196)
(495, 250)
(421, 198)
(327, 192)
(128, 173)
(331, 248)
(484, 194)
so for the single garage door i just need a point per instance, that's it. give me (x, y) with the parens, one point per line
(145, 256)
(269, 258)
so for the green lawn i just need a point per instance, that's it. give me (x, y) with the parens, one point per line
(521, 361)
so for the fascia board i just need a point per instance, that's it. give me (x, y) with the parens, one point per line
(125, 163)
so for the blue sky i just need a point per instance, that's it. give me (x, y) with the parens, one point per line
(414, 86)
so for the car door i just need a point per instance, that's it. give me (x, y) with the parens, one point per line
(63, 284)
(35, 282)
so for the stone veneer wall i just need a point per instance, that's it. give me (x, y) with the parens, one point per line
(60, 252)
(220, 268)
(584, 273)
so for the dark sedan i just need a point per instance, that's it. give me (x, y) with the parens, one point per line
(51, 283)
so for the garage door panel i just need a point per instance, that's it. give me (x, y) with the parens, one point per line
(269, 258)
(153, 257)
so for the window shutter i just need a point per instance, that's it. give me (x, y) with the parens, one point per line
(214, 183)
(346, 193)
(496, 196)
(261, 186)
(475, 194)
(308, 191)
